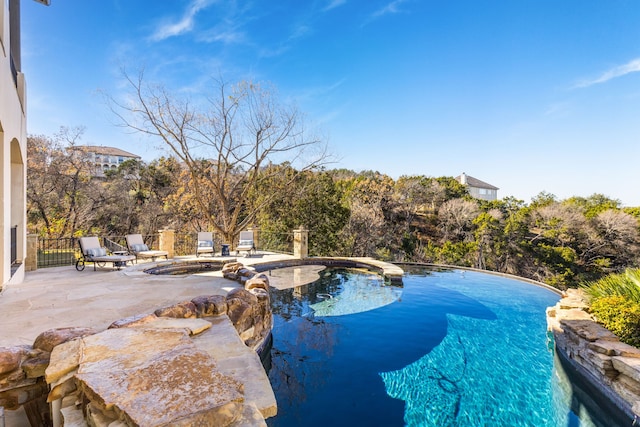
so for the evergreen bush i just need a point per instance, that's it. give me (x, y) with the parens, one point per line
(619, 315)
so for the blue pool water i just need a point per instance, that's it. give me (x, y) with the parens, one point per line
(448, 348)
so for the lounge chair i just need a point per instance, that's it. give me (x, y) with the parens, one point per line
(138, 248)
(205, 243)
(91, 251)
(246, 243)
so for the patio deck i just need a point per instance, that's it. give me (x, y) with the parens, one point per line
(63, 297)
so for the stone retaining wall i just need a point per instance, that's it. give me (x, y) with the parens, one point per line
(22, 368)
(595, 353)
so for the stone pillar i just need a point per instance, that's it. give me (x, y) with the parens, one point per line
(301, 242)
(256, 236)
(167, 241)
(31, 263)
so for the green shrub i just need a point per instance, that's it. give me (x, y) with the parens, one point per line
(384, 254)
(619, 315)
(625, 284)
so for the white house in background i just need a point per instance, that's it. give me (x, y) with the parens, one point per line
(478, 189)
(13, 136)
(105, 158)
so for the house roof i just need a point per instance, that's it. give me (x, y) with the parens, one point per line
(475, 182)
(109, 151)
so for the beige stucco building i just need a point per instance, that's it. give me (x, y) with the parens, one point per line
(13, 135)
(105, 158)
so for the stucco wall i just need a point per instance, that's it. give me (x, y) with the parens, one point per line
(13, 154)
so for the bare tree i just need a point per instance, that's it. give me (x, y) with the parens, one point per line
(225, 143)
(58, 183)
(456, 218)
(559, 223)
(613, 236)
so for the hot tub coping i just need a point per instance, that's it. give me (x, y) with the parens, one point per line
(391, 273)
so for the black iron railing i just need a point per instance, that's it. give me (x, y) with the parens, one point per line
(58, 252)
(276, 242)
(185, 243)
(55, 252)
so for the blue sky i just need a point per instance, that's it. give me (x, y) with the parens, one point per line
(527, 95)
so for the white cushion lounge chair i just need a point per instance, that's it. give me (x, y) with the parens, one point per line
(138, 248)
(246, 243)
(205, 243)
(91, 251)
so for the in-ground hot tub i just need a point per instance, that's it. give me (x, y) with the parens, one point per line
(176, 268)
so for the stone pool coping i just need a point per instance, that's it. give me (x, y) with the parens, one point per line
(493, 273)
(391, 272)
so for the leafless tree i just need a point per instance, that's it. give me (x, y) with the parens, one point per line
(562, 224)
(456, 217)
(225, 142)
(614, 235)
(58, 183)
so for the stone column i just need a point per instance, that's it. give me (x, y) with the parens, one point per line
(256, 236)
(301, 242)
(31, 263)
(167, 241)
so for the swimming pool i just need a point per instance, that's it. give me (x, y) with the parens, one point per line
(448, 348)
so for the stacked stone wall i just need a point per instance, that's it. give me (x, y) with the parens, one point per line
(596, 354)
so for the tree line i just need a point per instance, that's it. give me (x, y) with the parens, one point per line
(348, 213)
(240, 158)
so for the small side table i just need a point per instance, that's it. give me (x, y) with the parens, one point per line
(224, 249)
(120, 264)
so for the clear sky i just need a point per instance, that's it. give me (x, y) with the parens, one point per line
(527, 95)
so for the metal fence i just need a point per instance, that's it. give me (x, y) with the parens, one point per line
(185, 243)
(57, 252)
(276, 242)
